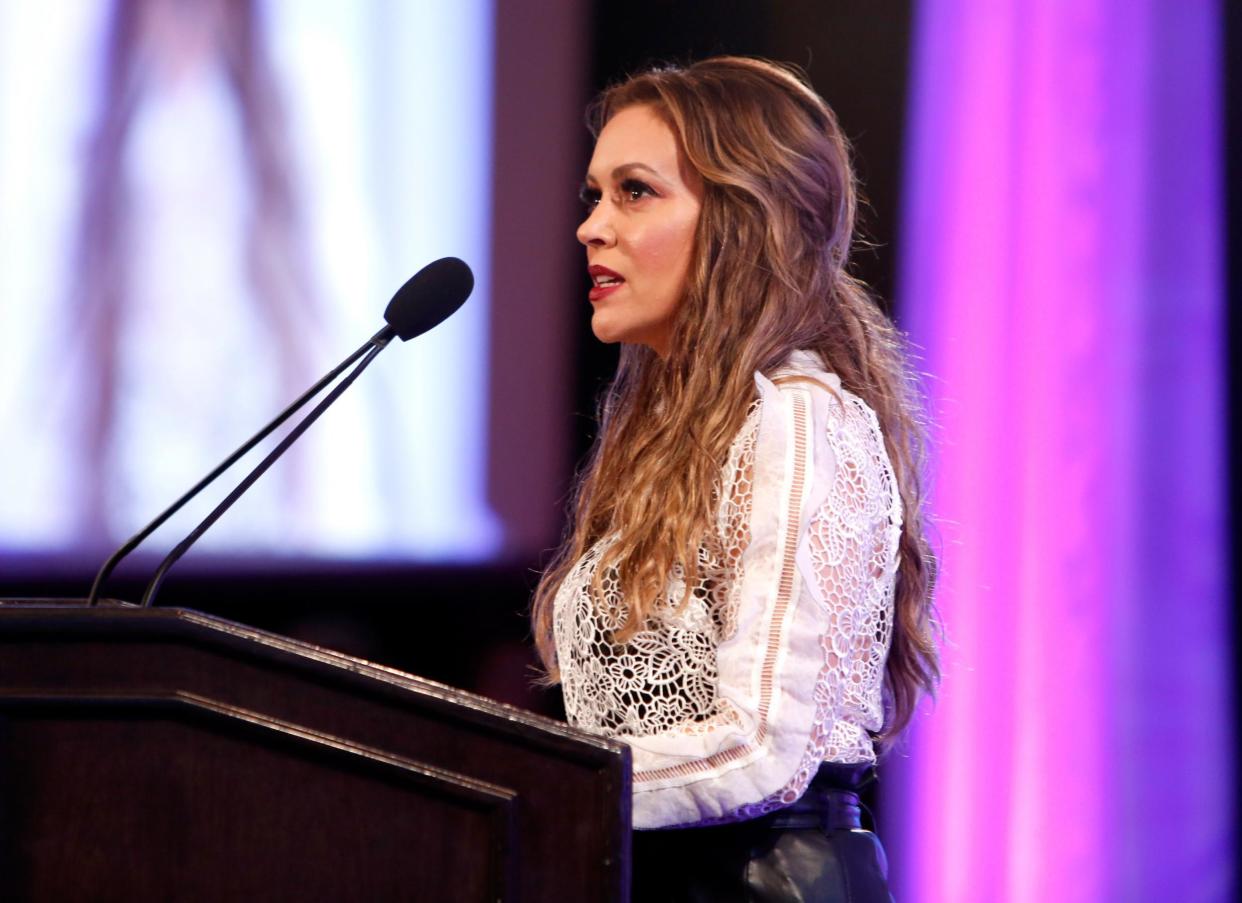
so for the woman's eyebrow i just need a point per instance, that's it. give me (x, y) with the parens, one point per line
(625, 169)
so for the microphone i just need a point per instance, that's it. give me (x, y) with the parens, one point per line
(427, 298)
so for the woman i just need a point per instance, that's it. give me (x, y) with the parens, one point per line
(744, 594)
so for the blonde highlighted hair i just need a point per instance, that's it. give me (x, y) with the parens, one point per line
(768, 277)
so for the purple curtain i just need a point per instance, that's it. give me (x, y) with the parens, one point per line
(1063, 276)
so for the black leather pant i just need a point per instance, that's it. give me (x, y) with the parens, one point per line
(814, 850)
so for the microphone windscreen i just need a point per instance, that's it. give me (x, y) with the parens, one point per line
(429, 297)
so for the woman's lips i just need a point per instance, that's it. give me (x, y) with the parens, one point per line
(600, 292)
(606, 282)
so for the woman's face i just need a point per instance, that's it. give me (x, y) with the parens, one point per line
(643, 203)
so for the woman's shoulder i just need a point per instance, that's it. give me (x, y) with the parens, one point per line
(831, 401)
(810, 401)
(806, 369)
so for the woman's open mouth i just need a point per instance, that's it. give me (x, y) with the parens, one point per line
(605, 281)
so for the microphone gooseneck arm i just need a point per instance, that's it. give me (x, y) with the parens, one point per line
(375, 345)
(426, 299)
(382, 338)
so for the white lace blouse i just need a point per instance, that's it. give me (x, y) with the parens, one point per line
(776, 662)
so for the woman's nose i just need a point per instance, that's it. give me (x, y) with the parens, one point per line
(597, 229)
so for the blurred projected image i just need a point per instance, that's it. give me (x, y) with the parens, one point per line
(204, 205)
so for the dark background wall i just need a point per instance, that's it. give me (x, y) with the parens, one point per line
(466, 626)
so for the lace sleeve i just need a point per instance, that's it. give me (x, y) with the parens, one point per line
(812, 519)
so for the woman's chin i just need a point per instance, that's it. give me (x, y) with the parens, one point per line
(606, 330)
(610, 333)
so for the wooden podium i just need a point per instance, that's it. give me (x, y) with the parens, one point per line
(165, 754)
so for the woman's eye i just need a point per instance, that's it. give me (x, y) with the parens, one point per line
(589, 197)
(631, 191)
(634, 190)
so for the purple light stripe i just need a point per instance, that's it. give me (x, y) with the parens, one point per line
(1062, 274)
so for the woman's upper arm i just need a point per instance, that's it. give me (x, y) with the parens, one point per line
(769, 658)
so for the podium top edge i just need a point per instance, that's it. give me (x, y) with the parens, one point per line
(50, 616)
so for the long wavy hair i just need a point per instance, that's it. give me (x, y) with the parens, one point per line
(768, 277)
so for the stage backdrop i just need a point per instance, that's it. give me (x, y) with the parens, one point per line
(203, 207)
(1063, 273)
